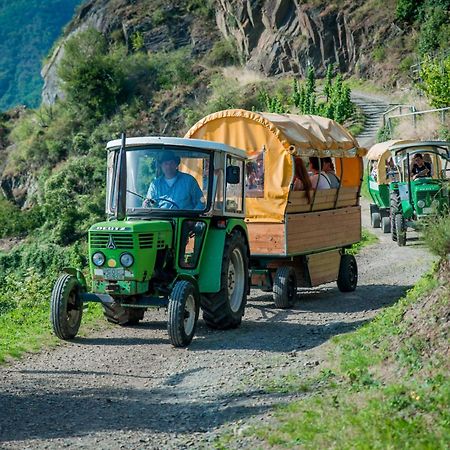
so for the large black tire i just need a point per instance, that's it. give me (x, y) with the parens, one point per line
(66, 308)
(284, 287)
(225, 308)
(400, 230)
(375, 219)
(120, 315)
(394, 209)
(348, 274)
(184, 306)
(386, 224)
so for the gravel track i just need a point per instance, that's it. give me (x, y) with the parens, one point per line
(128, 388)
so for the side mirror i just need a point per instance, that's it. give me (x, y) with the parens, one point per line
(233, 175)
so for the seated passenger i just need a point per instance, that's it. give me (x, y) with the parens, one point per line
(420, 168)
(319, 179)
(301, 180)
(328, 168)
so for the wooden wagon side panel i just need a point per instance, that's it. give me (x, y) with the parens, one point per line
(324, 229)
(324, 267)
(267, 238)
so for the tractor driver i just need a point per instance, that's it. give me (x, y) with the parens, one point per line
(420, 167)
(174, 189)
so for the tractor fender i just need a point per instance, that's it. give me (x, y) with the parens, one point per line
(76, 273)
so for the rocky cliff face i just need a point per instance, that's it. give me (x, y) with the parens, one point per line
(286, 36)
(273, 36)
(163, 26)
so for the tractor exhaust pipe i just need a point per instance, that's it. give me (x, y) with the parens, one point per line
(121, 181)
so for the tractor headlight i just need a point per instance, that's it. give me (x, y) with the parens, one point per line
(126, 259)
(98, 259)
(420, 203)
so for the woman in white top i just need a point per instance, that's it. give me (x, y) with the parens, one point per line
(319, 179)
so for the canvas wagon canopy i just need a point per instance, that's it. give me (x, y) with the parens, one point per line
(272, 140)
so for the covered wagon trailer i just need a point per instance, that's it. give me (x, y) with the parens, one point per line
(298, 238)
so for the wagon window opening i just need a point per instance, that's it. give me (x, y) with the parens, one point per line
(254, 175)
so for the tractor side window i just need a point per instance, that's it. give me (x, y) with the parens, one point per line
(234, 185)
(191, 239)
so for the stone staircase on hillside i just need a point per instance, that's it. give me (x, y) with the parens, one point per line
(373, 108)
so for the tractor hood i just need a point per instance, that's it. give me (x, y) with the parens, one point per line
(117, 226)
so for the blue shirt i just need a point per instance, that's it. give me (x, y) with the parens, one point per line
(185, 192)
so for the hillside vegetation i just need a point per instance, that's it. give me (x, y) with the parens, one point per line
(28, 29)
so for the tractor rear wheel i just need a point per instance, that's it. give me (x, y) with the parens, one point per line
(284, 287)
(121, 315)
(348, 274)
(184, 306)
(66, 308)
(386, 224)
(225, 308)
(400, 230)
(375, 219)
(394, 209)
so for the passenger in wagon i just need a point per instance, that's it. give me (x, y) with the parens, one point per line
(319, 179)
(328, 168)
(301, 180)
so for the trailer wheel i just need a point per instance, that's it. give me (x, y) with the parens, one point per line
(120, 315)
(225, 308)
(386, 224)
(375, 220)
(66, 308)
(284, 287)
(348, 274)
(183, 313)
(400, 230)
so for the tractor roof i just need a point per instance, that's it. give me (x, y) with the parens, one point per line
(377, 151)
(176, 142)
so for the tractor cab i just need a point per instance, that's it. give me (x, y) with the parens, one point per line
(422, 186)
(175, 236)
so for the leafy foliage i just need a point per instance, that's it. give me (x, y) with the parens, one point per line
(436, 81)
(28, 29)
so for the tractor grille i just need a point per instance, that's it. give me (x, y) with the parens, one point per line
(111, 240)
(146, 240)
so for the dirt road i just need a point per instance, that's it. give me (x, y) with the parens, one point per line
(128, 388)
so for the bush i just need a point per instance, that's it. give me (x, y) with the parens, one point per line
(224, 53)
(435, 76)
(436, 235)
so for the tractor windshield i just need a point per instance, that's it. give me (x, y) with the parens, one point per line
(162, 179)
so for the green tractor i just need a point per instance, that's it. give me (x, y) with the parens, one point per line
(413, 179)
(175, 238)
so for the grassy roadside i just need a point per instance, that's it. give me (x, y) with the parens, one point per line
(24, 316)
(387, 384)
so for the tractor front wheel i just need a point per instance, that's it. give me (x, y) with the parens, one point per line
(66, 307)
(400, 230)
(348, 274)
(225, 308)
(284, 287)
(183, 311)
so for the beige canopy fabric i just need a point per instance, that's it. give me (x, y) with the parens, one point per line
(377, 151)
(274, 139)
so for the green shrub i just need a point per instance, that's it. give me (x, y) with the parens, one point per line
(224, 53)
(436, 235)
(379, 54)
(406, 10)
(434, 30)
(435, 76)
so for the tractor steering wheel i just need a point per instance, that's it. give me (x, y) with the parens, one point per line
(150, 202)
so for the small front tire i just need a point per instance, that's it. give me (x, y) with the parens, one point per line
(284, 287)
(184, 305)
(348, 274)
(66, 307)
